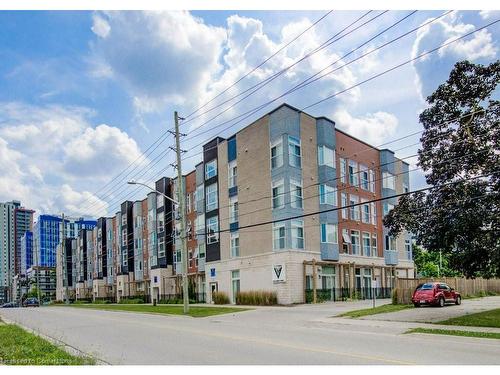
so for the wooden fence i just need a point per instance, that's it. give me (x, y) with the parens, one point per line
(467, 287)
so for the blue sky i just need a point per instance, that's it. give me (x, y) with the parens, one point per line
(83, 93)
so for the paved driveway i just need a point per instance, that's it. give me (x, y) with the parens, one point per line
(430, 314)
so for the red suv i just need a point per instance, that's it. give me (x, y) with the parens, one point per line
(437, 294)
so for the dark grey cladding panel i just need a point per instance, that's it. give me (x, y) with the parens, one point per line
(387, 161)
(325, 131)
(200, 174)
(284, 121)
(327, 175)
(329, 251)
(210, 149)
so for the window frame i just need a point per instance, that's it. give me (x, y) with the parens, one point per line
(209, 170)
(209, 193)
(294, 144)
(294, 197)
(278, 146)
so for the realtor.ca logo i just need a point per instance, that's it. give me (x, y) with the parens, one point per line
(278, 273)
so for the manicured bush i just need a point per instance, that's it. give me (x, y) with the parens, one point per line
(257, 298)
(394, 297)
(220, 298)
(131, 301)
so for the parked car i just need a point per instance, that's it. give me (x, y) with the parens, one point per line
(31, 302)
(9, 305)
(436, 294)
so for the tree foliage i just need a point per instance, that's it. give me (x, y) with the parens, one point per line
(460, 214)
(428, 263)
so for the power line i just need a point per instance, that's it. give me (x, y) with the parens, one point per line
(259, 65)
(259, 85)
(356, 204)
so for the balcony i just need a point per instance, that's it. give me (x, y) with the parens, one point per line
(391, 257)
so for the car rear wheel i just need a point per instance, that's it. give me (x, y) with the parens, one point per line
(458, 300)
(416, 304)
(441, 302)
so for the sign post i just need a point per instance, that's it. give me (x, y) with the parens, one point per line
(374, 288)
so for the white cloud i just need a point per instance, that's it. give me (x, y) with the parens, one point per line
(98, 151)
(434, 68)
(100, 26)
(50, 153)
(372, 128)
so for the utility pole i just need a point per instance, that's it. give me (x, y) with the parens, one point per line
(182, 212)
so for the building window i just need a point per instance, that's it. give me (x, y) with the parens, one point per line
(408, 249)
(374, 245)
(326, 156)
(211, 197)
(211, 169)
(124, 237)
(388, 181)
(353, 173)
(212, 230)
(343, 198)
(235, 245)
(279, 236)
(353, 200)
(366, 213)
(390, 243)
(366, 244)
(374, 212)
(233, 209)
(343, 171)
(199, 197)
(235, 284)
(296, 194)
(294, 151)
(233, 174)
(355, 242)
(327, 195)
(329, 233)
(277, 154)
(161, 247)
(297, 234)
(278, 189)
(405, 188)
(387, 208)
(365, 179)
(159, 223)
(372, 180)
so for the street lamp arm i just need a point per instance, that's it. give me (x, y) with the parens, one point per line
(133, 182)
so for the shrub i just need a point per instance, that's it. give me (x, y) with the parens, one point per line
(101, 301)
(220, 298)
(131, 301)
(394, 296)
(257, 297)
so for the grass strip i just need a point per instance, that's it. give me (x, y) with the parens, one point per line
(454, 332)
(490, 318)
(372, 311)
(19, 347)
(194, 311)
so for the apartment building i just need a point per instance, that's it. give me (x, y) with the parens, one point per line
(289, 164)
(23, 222)
(7, 248)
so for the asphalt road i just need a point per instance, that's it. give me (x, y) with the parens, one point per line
(280, 335)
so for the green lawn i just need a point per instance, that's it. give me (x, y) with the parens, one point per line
(372, 311)
(490, 318)
(19, 347)
(483, 335)
(194, 311)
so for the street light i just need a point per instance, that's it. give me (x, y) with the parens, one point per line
(133, 182)
(184, 251)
